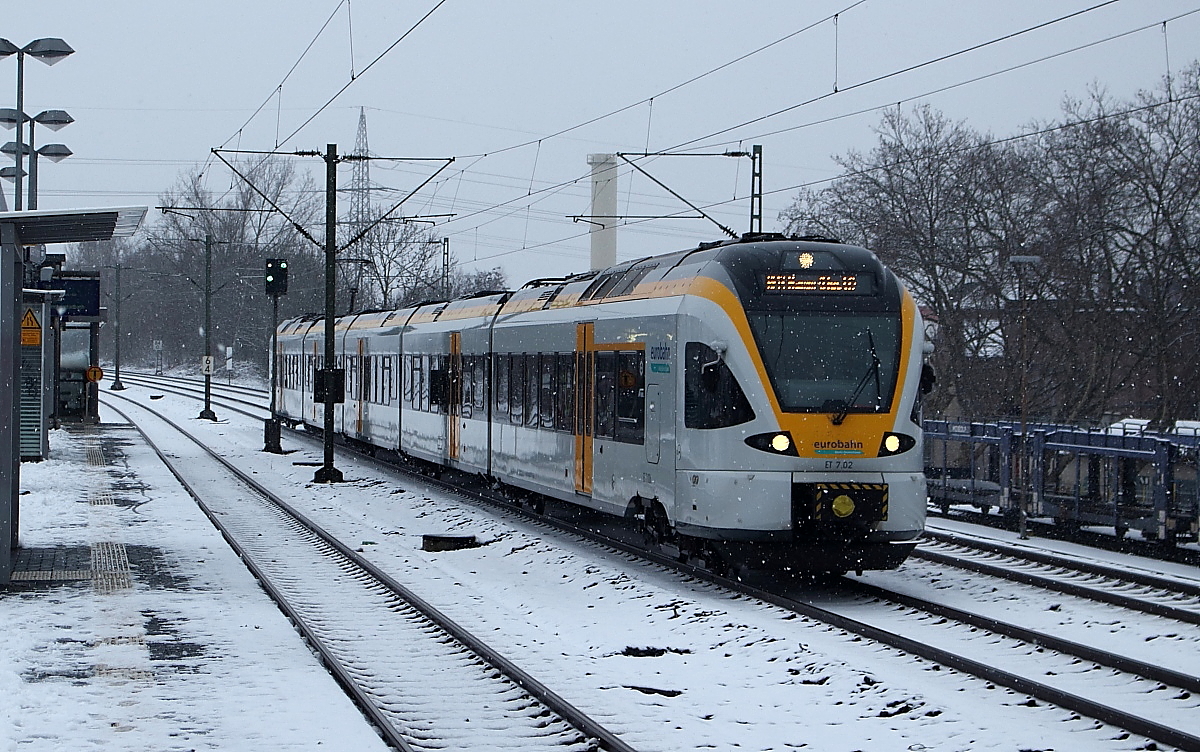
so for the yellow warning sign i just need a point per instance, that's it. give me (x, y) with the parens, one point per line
(31, 330)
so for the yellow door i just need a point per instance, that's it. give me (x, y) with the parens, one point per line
(585, 373)
(454, 409)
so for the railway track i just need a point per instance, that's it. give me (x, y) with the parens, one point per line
(1154, 549)
(1137, 591)
(422, 680)
(1123, 691)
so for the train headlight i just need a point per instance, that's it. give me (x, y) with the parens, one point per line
(776, 442)
(895, 443)
(843, 506)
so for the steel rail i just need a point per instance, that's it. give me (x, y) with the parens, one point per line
(1037, 690)
(1059, 586)
(382, 725)
(538, 690)
(1066, 562)
(1087, 653)
(187, 380)
(185, 388)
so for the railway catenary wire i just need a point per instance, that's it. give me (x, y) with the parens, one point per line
(923, 648)
(506, 701)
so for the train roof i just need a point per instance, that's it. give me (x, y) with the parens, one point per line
(739, 262)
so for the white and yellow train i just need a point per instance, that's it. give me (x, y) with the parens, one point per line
(756, 398)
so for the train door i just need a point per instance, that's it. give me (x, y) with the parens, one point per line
(454, 406)
(317, 407)
(361, 387)
(585, 405)
(653, 423)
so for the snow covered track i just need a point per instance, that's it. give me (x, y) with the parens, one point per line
(1172, 584)
(1160, 597)
(423, 681)
(1048, 668)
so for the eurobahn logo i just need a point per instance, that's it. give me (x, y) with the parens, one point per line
(838, 447)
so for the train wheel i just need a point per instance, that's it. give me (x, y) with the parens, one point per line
(656, 528)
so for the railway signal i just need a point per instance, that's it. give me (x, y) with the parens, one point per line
(277, 276)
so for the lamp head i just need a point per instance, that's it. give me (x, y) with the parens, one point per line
(53, 119)
(54, 152)
(49, 50)
(10, 118)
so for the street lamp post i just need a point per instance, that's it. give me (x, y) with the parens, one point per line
(54, 120)
(1020, 262)
(49, 50)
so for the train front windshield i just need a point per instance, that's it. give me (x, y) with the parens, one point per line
(827, 362)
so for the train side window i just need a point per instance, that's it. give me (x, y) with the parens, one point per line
(481, 371)
(466, 390)
(439, 384)
(712, 396)
(424, 383)
(410, 381)
(531, 390)
(564, 418)
(516, 389)
(368, 382)
(501, 386)
(549, 387)
(606, 394)
(631, 396)
(386, 379)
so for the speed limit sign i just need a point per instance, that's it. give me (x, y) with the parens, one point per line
(206, 365)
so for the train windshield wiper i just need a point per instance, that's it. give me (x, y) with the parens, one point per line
(872, 370)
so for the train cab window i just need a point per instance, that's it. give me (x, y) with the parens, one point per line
(606, 394)
(631, 397)
(564, 417)
(712, 396)
(501, 386)
(815, 361)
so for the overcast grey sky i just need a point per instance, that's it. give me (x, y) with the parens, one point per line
(154, 86)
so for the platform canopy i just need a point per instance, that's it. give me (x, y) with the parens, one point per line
(73, 225)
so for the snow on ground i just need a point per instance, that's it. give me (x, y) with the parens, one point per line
(192, 656)
(670, 663)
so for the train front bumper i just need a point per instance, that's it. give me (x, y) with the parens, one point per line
(783, 506)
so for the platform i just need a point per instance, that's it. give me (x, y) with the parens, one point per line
(130, 624)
